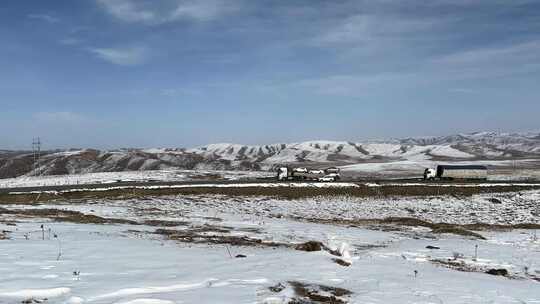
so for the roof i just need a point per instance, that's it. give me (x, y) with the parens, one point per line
(462, 167)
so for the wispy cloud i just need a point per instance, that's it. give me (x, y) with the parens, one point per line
(462, 90)
(373, 27)
(201, 10)
(126, 10)
(154, 13)
(351, 85)
(190, 91)
(60, 117)
(70, 41)
(122, 56)
(488, 62)
(521, 52)
(43, 17)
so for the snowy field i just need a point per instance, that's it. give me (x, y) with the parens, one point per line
(219, 249)
(130, 176)
(518, 170)
(503, 170)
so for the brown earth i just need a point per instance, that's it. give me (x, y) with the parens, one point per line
(65, 216)
(193, 236)
(312, 293)
(279, 192)
(457, 229)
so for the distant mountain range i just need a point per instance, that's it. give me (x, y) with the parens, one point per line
(471, 146)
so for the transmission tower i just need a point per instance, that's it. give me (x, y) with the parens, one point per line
(36, 151)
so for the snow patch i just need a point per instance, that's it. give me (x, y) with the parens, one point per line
(147, 301)
(36, 293)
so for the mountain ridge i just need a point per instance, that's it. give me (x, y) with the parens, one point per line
(230, 156)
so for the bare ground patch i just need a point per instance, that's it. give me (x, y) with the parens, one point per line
(196, 236)
(341, 262)
(165, 223)
(65, 216)
(391, 223)
(83, 218)
(315, 293)
(4, 235)
(216, 235)
(315, 246)
(284, 192)
(460, 265)
(307, 293)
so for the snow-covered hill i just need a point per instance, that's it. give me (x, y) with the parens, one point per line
(461, 147)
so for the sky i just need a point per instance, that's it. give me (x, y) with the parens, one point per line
(184, 73)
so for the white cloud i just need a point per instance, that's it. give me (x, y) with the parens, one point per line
(199, 10)
(141, 12)
(43, 17)
(122, 56)
(126, 10)
(370, 28)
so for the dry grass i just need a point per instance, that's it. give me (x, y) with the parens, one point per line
(65, 216)
(341, 262)
(311, 293)
(3, 235)
(390, 222)
(209, 234)
(163, 223)
(194, 236)
(464, 230)
(460, 265)
(280, 192)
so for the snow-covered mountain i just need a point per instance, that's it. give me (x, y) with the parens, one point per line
(473, 146)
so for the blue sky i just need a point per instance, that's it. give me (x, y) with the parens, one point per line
(177, 73)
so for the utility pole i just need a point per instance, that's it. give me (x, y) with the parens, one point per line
(36, 151)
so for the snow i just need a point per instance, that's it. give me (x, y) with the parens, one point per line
(127, 176)
(320, 150)
(393, 158)
(68, 153)
(382, 149)
(155, 289)
(129, 264)
(497, 169)
(457, 147)
(36, 293)
(147, 301)
(448, 151)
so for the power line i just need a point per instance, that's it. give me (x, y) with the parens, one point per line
(36, 151)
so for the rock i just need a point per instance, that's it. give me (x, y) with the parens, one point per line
(494, 200)
(498, 271)
(310, 246)
(341, 262)
(277, 288)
